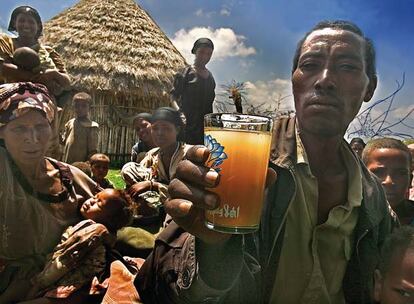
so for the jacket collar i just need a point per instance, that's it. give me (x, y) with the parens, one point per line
(284, 154)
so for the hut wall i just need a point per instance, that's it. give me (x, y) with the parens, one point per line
(114, 115)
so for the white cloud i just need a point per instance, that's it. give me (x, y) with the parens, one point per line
(226, 42)
(199, 12)
(270, 92)
(225, 11)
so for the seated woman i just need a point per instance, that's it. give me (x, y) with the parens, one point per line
(148, 180)
(39, 196)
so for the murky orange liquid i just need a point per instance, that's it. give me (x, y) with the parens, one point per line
(242, 179)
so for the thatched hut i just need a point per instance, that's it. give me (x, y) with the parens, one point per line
(116, 52)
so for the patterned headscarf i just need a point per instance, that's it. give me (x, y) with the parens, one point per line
(17, 99)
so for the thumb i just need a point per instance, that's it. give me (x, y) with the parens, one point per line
(271, 177)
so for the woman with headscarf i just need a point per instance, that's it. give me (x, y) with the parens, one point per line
(193, 91)
(39, 196)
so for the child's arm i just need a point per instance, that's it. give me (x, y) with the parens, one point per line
(13, 73)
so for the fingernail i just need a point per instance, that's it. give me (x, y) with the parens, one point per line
(211, 201)
(211, 177)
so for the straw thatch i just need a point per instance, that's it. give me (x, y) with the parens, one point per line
(115, 51)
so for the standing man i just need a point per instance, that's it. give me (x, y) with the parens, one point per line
(324, 218)
(193, 91)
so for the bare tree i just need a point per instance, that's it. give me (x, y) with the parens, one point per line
(237, 92)
(370, 124)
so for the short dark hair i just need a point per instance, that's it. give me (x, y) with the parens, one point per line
(84, 167)
(99, 157)
(346, 26)
(123, 215)
(400, 240)
(143, 116)
(357, 140)
(83, 97)
(384, 143)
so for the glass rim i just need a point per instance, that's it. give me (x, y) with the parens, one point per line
(265, 119)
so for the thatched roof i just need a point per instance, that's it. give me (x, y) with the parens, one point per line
(113, 45)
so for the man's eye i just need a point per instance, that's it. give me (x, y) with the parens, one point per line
(308, 65)
(348, 67)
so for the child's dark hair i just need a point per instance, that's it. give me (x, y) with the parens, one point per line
(99, 157)
(384, 143)
(357, 140)
(400, 240)
(84, 167)
(123, 215)
(82, 97)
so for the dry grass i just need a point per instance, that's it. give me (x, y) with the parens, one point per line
(115, 51)
(115, 46)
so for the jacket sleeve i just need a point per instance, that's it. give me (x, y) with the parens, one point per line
(171, 274)
(178, 86)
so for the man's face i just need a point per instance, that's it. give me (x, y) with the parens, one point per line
(203, 55)
(330, 82)
(396, 286)
(392, 167)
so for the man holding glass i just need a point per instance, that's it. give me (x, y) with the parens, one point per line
(324, 218)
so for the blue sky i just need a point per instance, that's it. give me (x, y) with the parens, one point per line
(256, 39)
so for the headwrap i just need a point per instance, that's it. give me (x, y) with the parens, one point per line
(26, 10)
(18, 98)
(144, 116)
(168, 114)
(200, 43)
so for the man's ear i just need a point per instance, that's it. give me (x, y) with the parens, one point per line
(371, 88)
(378, 281)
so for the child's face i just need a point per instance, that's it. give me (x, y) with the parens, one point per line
(392, 167)
(102, 206)
(81, 109)
(396, 286)
(143, 129)
(100, 169)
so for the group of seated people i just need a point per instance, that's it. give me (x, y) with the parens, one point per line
(59, 227)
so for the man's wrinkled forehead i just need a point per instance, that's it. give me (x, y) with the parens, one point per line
(332, 37)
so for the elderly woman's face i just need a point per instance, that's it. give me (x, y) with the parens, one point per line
(27, 137)
(26, 26)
